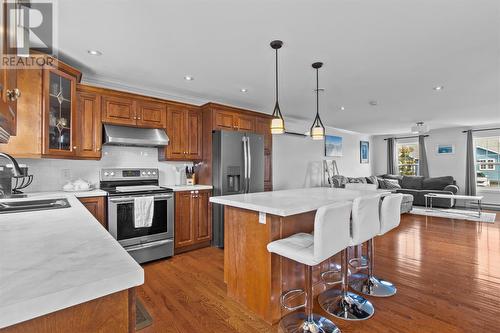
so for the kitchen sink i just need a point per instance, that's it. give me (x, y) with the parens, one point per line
(32, 205)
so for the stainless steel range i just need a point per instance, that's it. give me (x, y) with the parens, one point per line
(143, 243)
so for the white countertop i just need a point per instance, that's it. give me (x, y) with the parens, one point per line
(291, 202)
(180, 188)
(78, 194)
(54, 259)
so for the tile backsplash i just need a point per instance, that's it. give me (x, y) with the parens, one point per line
(52, 174)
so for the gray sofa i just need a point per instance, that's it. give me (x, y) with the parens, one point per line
(418, 186)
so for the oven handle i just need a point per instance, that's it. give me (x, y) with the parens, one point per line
(148, 245)
(131, 199)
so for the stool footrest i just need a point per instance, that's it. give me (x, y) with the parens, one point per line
(328, 275)
(358, 263)
(289, 294)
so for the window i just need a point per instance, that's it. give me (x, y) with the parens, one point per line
(407, 158)
(487, 162)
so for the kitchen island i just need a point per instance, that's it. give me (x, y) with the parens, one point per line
(254, 277)
(61, 271)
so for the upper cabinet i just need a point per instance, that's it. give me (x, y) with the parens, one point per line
(127, 110)
(59, 110)
(184, 129)
(88, 116)
(119, 110)
(9, 91)
(224, 119)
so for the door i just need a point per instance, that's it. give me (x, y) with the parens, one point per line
(184, 226)
(255, 148)
(89, 128)
(203, 226)
(59, 114)
(176, 129)
(194, 134)
(224, 120)
(151, 114)
(119, 110)
(245, 123)
(8, 76)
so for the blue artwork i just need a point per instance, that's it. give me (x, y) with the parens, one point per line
(364, 152)
(445, 149)
(333, 146)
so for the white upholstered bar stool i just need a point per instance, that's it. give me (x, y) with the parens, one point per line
(331, 235)
(343, 303)
(390, 217)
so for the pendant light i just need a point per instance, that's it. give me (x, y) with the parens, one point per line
(317, 131)
(277, 123)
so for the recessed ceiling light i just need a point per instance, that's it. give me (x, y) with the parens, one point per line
(188, 78)
(373, 103)
(438, 88)
(94, 52)
(243, 90)
(342, 108)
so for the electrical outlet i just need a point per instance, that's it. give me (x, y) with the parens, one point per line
(262, 218)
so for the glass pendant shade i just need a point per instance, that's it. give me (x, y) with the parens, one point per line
(317, 131)
(277, 123)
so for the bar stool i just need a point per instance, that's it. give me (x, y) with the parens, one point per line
(390, 217)
(331, 225)
(342, 303)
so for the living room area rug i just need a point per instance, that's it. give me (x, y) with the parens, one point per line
(458, 214)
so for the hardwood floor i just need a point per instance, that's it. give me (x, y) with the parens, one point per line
(447, 273)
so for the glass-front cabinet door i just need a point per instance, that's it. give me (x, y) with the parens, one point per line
(59, 113)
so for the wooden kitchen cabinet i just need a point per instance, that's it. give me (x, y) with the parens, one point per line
(263, 127)
(151, 114)
(233, 121)
(59, 124)
(193, 221)
(97, 207)
(119, 110)
(184, 129)
(89, 131)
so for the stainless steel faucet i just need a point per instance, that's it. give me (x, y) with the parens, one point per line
(6, 178)
(16, 170)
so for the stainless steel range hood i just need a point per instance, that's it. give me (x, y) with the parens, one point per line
(132, 136)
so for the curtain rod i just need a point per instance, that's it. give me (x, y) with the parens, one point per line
(483, 129)
(408, 137)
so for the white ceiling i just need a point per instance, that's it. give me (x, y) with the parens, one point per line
(391, 51)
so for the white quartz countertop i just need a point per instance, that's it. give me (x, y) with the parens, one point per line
(180, 188)
(54, 259)
(291, 202)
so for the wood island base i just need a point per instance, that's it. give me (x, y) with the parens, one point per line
(256, 278)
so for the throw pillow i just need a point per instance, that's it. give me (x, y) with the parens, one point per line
(338, 181)
(372, 180)
(391, 184)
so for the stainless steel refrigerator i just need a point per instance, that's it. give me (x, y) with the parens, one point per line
(237, 168)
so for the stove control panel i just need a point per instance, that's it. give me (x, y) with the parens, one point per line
(128, 174)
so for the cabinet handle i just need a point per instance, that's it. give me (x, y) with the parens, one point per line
(74, 147)
(13, 95)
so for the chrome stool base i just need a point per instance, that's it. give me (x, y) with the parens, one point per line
(348, 307)
(298, 322)
(372, 286)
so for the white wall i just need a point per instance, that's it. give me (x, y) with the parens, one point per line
(298, 161)
(439, 165)
(52, 174)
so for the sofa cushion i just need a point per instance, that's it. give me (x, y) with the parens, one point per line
(412, 182)
(437, 183)
(389, 176)
(356, 180)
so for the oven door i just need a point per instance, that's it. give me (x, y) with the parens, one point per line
(121, 219)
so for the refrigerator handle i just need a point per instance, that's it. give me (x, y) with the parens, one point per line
(245, 164)
(249, 161)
